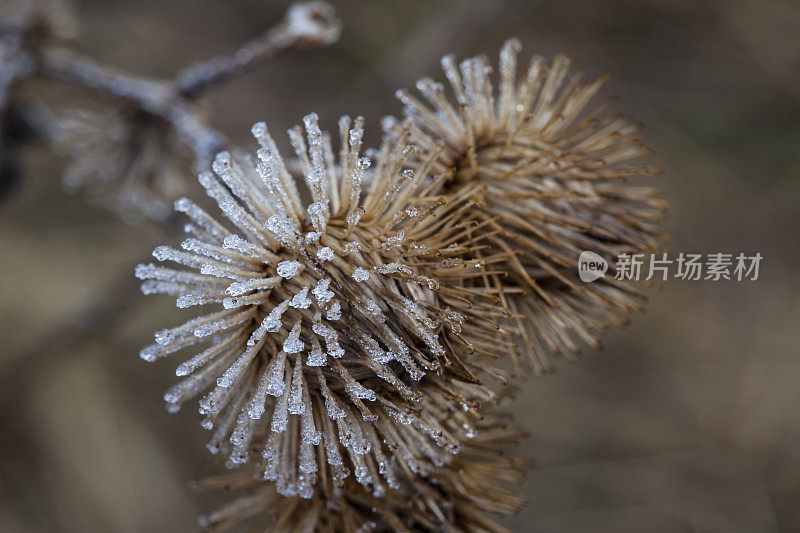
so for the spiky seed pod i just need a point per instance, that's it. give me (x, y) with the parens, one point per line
(458, 497)
(554, 169)
(128, 160)
(330, 312)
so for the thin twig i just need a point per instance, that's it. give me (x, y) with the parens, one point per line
(306, 25)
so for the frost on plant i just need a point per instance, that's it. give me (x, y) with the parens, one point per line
(319, 321)
(461, 495)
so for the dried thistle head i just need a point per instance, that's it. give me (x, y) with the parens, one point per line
(127, 159)
(554, 171)
(460, 496)
(326, 315)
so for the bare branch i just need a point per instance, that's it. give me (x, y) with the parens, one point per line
(157, 97)
(307, 25)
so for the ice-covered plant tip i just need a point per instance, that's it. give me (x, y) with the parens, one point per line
(460, 495)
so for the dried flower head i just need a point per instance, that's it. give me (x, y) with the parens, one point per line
(554, 170)
(331, 312)
(127, 159)
(459, 496)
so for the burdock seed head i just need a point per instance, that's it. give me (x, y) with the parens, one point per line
(323, 316)
(554, 170)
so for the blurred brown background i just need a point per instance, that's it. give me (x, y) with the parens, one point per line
(688, 420)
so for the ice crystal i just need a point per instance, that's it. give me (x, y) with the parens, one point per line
(325, 254)
(334, 311)
(360, 274)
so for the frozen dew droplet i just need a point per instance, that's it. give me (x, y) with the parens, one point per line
(308, 429)
(150, 353)
(395, 241)
(388, 123)
(288, 269)
(283, 230)
(361, 474)
(273, 321)
(259, 130)
(334, 350)
(360, 391)
(222, 162)
(394, 268)
(306, 464)
(205, 330)
(293, 344)
(321, 291)
(335, 411)
(236, 243)
(316, 357)
(372, 308)
(354, 217)
(280, 417)
(360, 274)
(318, 213)
(325, 254)
(270, 451)
(301, 300)
(256, 407)
(232, 374)
(239, 433)
(330, 336)
(374, 349)
(334, 312)
(275, 386)
(296, 405)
